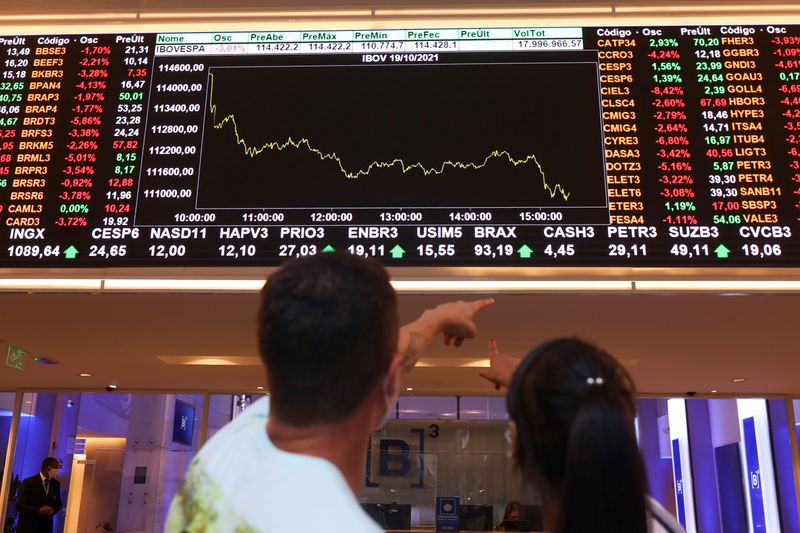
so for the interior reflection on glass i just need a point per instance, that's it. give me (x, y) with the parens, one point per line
(123, 457)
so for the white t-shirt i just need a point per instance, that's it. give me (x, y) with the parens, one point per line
(240, 482)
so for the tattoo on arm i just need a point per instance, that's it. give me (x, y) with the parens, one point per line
(416, 343)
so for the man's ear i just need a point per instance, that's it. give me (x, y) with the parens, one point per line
(392, 380)
(388, 388)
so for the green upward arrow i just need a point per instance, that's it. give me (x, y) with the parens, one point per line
(722, 251)
(71, 252)
(525, 251)
(397, 252)
(328, 249)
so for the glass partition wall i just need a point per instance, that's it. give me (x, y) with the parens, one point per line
(721, 464)
(6, 418)
(717, 464)
(121, 456)
(796, 409)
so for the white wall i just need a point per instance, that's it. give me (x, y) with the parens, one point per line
(679, 429)
(757, 409)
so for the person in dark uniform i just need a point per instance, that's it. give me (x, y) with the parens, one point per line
(39, 499)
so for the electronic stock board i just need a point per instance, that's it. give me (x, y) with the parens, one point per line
(674, 146)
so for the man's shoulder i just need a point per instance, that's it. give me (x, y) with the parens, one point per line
(32, 479)
(286, 491)
(237, 441)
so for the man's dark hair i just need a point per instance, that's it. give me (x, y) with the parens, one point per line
(51, 462)
(327, 332)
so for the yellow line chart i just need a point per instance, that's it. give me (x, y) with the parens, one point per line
(254, 151)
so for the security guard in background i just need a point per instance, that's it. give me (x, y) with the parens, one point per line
(39, 499)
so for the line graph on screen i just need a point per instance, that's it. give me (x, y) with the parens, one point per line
(369, 136)
(252, 150)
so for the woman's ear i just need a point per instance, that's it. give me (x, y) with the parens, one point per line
(511, 436)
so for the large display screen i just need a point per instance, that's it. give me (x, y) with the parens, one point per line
(524, 146)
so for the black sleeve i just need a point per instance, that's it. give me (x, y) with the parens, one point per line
(24, 499)
(57, 505)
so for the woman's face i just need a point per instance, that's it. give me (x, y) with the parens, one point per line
(513, 514)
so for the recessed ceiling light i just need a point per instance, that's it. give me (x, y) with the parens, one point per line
(85, 375)
(211, 360)
(738, 380)
(71, 16)
(257, 14)
(409, 388)
(714, 391)
(460, 11)
(260, 387)
(50, 283)
(720, 286)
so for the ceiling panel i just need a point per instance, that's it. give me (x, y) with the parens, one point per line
(672, 344)
(110, 6)
(676, 343)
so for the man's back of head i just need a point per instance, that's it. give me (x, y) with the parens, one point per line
(335, 361)
(327, 333)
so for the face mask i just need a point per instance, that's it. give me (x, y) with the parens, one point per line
(390, 401)
(52, 473)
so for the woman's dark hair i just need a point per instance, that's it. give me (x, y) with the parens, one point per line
(510, 508)
(574, 407)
